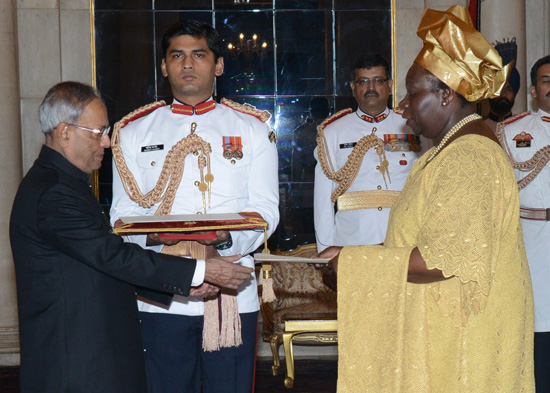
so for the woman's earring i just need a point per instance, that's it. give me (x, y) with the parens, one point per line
(444, 103)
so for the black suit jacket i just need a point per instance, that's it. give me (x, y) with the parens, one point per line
(78, 317)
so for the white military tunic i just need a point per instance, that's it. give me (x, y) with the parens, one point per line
(364, 226)
(536, 194)
(249, 184)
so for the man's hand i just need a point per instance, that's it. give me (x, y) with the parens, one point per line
(204, 290)
(221, 237)
(154, 239)
(221, 271)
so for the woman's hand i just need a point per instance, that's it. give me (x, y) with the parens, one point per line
(331, 253)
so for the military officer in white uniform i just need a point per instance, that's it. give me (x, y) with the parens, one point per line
(522, 136)
(238, 175)
(363, 209)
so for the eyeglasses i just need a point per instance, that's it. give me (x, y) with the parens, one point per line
(100, 133)
(366, 81)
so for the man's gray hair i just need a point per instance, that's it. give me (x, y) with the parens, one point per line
(65, 102)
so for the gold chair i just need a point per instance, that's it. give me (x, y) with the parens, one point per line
(304, 310)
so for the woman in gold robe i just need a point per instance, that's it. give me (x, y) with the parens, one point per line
(445, 305)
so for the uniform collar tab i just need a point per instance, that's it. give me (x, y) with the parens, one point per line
(199, 109)
(544, 116)
(373, 119)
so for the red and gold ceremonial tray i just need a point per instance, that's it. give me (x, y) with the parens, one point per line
(182, 226)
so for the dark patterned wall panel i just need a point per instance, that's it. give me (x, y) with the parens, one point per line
(293, 59)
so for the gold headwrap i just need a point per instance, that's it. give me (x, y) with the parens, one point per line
(458, 55)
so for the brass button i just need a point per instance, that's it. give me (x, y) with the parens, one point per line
(197, 183)
(374, 129)
(379, 187)
(377, 166)
(403, 154)
(233, 162)
(199, 212)
(196, 153)
(379, 209)
(153, 163)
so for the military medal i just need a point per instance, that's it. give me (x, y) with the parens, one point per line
(232, 147)
(402, 142)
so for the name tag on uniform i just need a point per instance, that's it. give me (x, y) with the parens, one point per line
(145, 149)
(348, 145)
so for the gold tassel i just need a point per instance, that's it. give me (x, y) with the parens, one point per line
(268, 295)
(214, 338)
(211, 326)
(266, 281)
(230, 334)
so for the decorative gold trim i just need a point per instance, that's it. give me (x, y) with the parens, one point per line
(263, 116)
(293, 330)
(92, 42)
(321, 337)
(94, 177)
(367, 199)
(394, 54)
(126, 229)
(303, 326)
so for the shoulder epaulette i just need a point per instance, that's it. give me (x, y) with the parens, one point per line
(248, 109)
(333, 118)
(140, 112)
(516, 117)
(398, 110)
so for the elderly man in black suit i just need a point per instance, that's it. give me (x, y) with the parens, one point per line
(78, 318)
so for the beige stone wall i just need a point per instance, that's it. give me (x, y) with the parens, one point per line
(54, 46)
(10, 151)
(42, 43)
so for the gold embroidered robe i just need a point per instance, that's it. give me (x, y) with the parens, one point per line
(472, 332)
